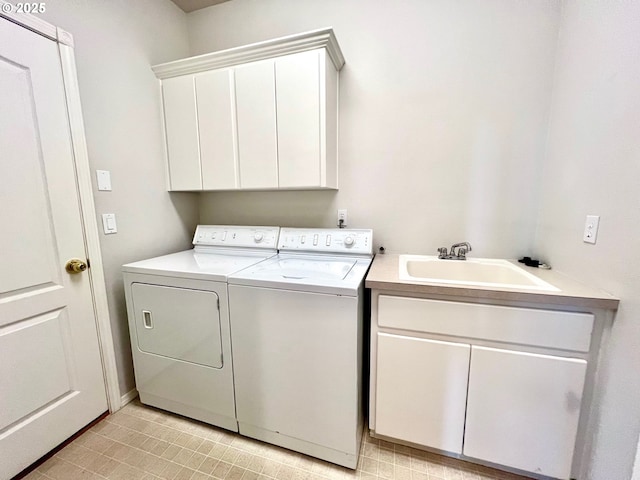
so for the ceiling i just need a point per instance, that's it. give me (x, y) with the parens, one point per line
(192, 5)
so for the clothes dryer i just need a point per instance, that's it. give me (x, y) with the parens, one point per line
(179, 321)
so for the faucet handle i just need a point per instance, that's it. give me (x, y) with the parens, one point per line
(442, 252)
(465, 245)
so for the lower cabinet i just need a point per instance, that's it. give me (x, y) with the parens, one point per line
(523, 410)
(421, 390)
(503, 405)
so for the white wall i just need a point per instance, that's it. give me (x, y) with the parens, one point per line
(443, 125)
(593, 167)
(442, 119)
(116, 42)
(442, 138)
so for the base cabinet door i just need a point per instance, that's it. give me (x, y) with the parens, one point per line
(523, 410)
(421, 388)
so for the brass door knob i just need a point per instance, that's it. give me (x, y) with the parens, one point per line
(75, 266)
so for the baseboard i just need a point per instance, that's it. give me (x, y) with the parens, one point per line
(127, 397)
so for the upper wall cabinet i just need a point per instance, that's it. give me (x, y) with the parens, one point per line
(258, 117)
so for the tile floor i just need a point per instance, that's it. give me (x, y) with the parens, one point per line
(143, 443)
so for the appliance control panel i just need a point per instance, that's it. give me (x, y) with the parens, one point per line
(327, 240)
(236, 236)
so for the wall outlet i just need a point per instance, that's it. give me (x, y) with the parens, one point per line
(342, 215)
(591, 229)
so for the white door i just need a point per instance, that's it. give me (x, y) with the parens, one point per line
(421, 390)
(523, 410)
(51, 379)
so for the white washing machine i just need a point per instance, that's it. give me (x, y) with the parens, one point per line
(297, 333)
(179, 321)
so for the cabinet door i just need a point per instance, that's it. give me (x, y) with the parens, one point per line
(256, 116)
(217, 130)
(298, 113)
(181, 127)
(421, 389)
(523, 410)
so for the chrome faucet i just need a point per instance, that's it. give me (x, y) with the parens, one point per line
(461, 254)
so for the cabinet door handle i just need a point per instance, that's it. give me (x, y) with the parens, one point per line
(146, 319)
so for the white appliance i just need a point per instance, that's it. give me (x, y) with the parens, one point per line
(296, 328)
(179, 321)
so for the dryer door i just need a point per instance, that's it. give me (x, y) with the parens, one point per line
(178, 323)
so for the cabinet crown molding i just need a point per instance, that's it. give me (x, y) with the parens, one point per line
(300, 42)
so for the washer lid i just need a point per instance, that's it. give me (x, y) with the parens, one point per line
(198, 265)
(310, 273)
(310, 268)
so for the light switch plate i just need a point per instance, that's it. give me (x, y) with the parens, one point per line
(109, 223)
(104, 180)
(591, 228)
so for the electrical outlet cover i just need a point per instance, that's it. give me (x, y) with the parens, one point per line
(342, 215)
(591, 229)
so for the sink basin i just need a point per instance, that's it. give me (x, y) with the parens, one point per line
(484, 272)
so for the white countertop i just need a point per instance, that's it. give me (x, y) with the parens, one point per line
(384, 275)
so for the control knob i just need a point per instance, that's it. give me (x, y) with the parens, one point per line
(258, 237)
(349, 241)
